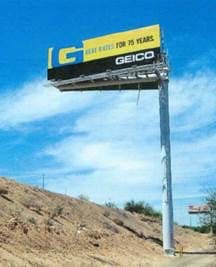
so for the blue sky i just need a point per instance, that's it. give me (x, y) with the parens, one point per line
(102, 144)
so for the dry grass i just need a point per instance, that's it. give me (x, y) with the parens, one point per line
(40, 228)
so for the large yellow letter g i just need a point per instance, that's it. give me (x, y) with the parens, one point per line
(63, 55)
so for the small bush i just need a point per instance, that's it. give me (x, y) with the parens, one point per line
(32, 220)
(201, 229)
(49, 222)
(3, 191)
(142, 208)
(16, 212)
(106, 213)
(83, 197)
(32, 203)
(110, 205)
(57, 211)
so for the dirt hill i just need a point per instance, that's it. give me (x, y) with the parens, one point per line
(41, 228)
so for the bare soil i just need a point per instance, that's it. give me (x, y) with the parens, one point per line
(41, 228)
(196, 260)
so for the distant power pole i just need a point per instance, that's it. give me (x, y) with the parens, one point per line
(167, 203)
(43, 178)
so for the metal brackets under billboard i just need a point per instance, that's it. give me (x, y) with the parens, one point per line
(106, 54)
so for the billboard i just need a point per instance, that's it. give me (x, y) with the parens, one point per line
(109, 52)
(197, 209)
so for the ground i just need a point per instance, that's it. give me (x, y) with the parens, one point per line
(196, 260)
(41, 228)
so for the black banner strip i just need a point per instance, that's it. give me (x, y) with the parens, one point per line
(98, 66)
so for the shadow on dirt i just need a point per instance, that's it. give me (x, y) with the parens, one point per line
(197, 252)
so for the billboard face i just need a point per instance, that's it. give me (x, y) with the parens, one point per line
(109, 52)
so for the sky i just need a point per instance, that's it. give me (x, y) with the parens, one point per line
(103, 144)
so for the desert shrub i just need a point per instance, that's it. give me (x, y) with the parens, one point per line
(83, 197)
(110, 205)
(16, 212)
(142, 208)
(200, 229)
(57, 211)
(3, 191)
(32, 220)
(32, 203)
(49, 222)
(208, 219)
(106, 213)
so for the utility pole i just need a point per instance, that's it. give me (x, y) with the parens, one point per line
(43, 178)
(167, 204)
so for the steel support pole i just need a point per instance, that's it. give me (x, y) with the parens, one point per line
(167, 205)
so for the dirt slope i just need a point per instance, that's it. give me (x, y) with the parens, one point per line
(196, 260)
(40, 228)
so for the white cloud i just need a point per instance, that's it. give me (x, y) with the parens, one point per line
(193, 101)
(34, 101)
(118, 144)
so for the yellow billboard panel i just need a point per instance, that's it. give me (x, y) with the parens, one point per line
(121, 43)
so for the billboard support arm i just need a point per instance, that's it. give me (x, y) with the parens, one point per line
(167, 205)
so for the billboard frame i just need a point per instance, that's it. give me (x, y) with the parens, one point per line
(138, 75)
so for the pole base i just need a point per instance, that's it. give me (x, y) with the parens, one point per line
(169, 252)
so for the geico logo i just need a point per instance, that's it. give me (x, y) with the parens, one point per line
(65, 57)
(134, 57)
(62, 56)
